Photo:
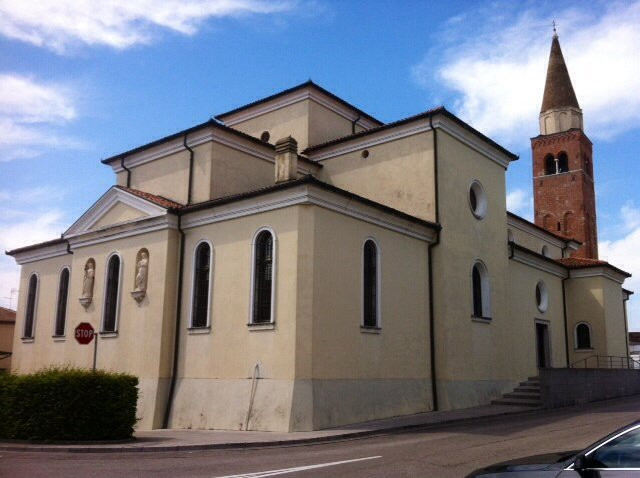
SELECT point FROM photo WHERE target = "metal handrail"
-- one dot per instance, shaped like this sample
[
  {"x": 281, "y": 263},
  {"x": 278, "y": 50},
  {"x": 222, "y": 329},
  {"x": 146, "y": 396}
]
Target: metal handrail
[{"x": 606, "y": 361}]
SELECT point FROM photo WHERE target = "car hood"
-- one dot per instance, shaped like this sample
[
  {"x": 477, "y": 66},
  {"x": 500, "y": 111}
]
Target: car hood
[{"x": 548, "y": 461}]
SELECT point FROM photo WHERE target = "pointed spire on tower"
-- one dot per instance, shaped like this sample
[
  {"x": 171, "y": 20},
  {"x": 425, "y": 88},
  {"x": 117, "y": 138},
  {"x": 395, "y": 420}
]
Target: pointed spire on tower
[{"x": 558, "y": 90}]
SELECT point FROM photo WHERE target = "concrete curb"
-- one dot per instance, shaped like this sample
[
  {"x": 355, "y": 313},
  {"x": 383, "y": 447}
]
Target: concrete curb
[{"x": 256, "y": 444}]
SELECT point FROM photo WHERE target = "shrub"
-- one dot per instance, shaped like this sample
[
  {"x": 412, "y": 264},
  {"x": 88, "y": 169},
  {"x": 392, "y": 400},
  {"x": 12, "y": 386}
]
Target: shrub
[{"x": 68, "y": 404}]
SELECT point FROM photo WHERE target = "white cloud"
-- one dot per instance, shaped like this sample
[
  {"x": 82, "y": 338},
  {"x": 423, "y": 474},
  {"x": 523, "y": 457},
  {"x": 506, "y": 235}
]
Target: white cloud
[
  {"x": 30, "y": 114},
  {"x": 495, "y": 63},
  {"x": 28, "y": 224},
  {"x": 520, "y": 201},
  {"x": 57, "y": 25},
  {"x": 625, "y": 254}
]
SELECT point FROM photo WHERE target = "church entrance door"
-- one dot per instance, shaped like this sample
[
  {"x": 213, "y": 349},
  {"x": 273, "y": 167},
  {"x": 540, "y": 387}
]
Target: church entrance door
[{"x": 542, "y": 345}]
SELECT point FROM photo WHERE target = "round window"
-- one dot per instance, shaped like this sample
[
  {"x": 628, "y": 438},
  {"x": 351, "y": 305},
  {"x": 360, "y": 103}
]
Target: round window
[
  {"x": 542, "y": 297},
  {"x": 545, "y": 251},
  {"x": 265, "y": 136},
  {"x": 477, "y": 200}
]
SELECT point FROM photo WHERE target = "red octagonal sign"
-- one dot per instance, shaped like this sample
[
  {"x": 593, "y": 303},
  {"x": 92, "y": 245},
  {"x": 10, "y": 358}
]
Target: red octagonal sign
[{"x": 84, "y": 333}]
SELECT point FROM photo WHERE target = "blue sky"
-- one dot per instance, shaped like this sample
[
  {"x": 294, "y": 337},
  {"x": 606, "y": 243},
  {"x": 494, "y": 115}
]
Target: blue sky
[{"x": 83, "y": 80}]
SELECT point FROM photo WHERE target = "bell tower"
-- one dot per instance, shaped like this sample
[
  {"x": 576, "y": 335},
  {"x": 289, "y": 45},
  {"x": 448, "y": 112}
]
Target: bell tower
[{"x": 564, "y": 195}]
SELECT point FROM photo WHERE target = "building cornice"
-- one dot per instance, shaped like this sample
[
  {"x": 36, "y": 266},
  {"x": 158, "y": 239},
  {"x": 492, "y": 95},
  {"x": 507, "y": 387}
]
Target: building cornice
[
  {"x": 537, "y": 261},
  {"x": 603, "y": 271},
  {"x": 529, "y": 228},
  {"x": 47, "y": 251},
  {"x": 313, "y": 194}
]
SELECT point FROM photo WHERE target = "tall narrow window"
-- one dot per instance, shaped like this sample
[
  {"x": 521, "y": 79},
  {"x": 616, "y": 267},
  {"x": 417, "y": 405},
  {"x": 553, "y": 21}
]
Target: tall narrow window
[
  {"x": 201, "y": 280},
  {"x": 549, "y": 164},
  {"x": 370, "y": 283},
  {"x": 30, "y": 316},
  {"x": 583, "y": 336},
  {"x": 263, "y": 278},
  {"x": 480, "y": 293},
  {"x": 563, "y": 163},
  {"x": 61, "y": 309},
  {"x": 112, "y": 291}
]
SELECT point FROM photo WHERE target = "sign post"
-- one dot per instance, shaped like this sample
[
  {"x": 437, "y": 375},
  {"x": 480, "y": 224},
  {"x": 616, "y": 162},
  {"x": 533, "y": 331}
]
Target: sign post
[{"x": 84, "y": 334}]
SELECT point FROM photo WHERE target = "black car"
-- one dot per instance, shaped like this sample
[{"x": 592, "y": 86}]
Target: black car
[{"x": 616, "y": 455}]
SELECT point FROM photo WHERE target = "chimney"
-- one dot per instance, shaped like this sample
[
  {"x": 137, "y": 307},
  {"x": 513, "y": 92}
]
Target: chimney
[{"x": 286, "y": 159}]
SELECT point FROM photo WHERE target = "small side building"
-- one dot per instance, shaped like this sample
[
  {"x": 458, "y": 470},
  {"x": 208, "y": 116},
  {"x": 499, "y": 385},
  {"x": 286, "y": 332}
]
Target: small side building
[{"x": 7, "y": 326}]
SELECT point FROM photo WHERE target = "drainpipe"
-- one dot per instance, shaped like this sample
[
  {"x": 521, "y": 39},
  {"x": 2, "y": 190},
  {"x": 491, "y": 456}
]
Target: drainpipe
[
  {"x": 189, "y": 186},
  {"x": 127, "y": 170},
  {"x": 432, "y": 347},
  {"x": 353, "y": 124},
  {"x": 564, "y": 311},
  {"x": 176, "y": 336}
]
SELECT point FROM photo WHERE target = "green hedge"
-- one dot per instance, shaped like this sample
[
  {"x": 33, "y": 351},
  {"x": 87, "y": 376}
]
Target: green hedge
[{"x": 68, "y": 404}]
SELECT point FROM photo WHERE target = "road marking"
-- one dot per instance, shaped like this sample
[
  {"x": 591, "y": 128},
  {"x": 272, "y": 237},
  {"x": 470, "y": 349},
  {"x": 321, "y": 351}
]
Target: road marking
[{"x": 283, "y": 471}]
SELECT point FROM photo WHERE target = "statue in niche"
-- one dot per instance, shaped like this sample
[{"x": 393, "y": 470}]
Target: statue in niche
[
  {"x": 87, "y": 283},
  {"x": 142, "y": 272}
]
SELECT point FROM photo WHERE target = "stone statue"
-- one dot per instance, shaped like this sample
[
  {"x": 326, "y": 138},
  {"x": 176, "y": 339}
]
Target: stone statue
[
  {"x": 140, "y": 281},
  {"x": 142, "y": 266},
  {"x": 87, "y": 283}
]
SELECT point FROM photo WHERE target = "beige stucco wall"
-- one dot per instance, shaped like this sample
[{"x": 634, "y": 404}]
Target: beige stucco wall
[
  {"x": 6, "y": 343},
  {"x": 524, "y": 313},
  {"x": 236, "y": 172},
  {"x": 359, "y": 376},
  {"x": 397, "y": 173},
  {"x": 325, "y": 125},
  {"x": 117, "y": 214},
  {"x": 137, "y": 347},
  {"x": 597, "y": 301},
  {"x": 167, "y": 176},
  {"x": 291, "y": 120},
  {"x": 472, "y": 358}
]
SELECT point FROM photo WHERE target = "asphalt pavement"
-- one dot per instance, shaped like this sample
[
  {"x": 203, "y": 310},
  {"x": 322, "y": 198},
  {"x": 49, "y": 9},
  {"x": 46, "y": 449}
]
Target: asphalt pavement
[{"x": 440, "y": 451}]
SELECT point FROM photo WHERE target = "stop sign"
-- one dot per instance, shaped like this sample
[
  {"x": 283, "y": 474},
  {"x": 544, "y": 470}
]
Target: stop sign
[{"x": 84, "y": 333}]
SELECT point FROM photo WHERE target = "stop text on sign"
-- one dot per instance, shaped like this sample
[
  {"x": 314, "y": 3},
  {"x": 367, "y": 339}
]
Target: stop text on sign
[{"x": 84, "y": 333}]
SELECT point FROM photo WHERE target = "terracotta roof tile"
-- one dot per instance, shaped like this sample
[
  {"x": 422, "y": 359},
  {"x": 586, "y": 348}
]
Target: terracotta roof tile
[
  {"x": 582, "y": 262},
  {"x": 7, "y": 315},
  {"x": 159, "y": 200}
]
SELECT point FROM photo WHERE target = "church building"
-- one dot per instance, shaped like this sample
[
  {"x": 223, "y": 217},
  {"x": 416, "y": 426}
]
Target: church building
[{"x": 296, "y": 264}]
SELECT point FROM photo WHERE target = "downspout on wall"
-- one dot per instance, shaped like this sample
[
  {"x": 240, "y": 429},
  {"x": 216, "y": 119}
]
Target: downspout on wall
[
  {"x": 127, "y": 170},
  {"x": 176, "y": 336},
  {"x": 190, "y": 185},
  {"x": 564, "y": 311},
  {"x": 432, "y": 349}
]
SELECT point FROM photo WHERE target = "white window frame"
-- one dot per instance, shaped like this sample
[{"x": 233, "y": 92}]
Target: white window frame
[
  {"x": 35, "y": 309},
  {"x": 274, "y": 270},
  {"x": 482, "y": 201},
  {"x": 66, "y": 313},
  {"x": 575, "y": 336},
  {"x": 485, "y": 289},
  {"x": 118, "y": 296},
  {"x": 193, "y": 283},
  {"x": 378, "y": 284}
]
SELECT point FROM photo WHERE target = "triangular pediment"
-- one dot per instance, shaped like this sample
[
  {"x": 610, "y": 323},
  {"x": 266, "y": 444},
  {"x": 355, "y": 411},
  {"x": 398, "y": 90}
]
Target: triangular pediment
[{"x": 115, "y": 207}]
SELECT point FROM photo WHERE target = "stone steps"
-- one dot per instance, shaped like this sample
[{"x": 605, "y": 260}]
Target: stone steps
[{"x": 527, "y": 394}]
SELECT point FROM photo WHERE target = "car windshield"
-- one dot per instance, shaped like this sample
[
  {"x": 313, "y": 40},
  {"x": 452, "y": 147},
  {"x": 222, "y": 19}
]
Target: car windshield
[{"x": 621, "y": 452}]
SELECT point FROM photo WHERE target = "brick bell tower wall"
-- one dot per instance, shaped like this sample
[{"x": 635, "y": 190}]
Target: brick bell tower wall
[{"x": 564, "y": 194}]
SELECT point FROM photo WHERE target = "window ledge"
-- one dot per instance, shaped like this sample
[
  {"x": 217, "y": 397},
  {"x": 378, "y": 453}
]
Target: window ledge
[
  {"x": 27, "y": 340},
  {"x": 265, "y": 326},
  {"x": 583, "y": 350},
  {"x": 482, "y": 320},
  {"x": 108, "y": 335},
  {"x": 59, "y": 338},
  {"x": 365, "y": 329},
  {"x": 199, "y": 330}
]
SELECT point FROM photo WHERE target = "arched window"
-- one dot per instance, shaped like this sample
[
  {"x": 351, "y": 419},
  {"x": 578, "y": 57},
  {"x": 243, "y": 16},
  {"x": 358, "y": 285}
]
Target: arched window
[
  {"x": 61, "y": 309},
  {"x": 201, "y": 285},
  {"x": 542, "y": 297},
  {"x": 371, "y": 285},
  {"x": 549, "y": 164},
  {"x": 263, "y": 266},
  {"x": 30, "y": 315},
  {"x": 563, "y": 163},
  {"x": 111, "y": 294},
  {"x": 480, "y": 291},
  {"x": 583, "y": 336}
]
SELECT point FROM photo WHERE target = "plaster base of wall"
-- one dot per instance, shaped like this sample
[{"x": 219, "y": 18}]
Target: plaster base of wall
[{"x": 457, "y": 394}]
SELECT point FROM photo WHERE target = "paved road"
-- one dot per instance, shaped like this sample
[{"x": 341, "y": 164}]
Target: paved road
[{"x": 446, "y": 451}]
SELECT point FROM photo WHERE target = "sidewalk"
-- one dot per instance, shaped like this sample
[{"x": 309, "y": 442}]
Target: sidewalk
[{"x": 191, "y": 440}]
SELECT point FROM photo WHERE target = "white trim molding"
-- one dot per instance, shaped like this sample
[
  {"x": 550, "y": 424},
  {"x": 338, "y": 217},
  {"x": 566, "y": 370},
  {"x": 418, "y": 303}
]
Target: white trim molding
[
  {"x": 530, "y": 229},
  {"x": 603, "y": 271},
  {"x": 274, "y": 269},
  {"x": 207, "y": 325},
  {"x": 532, "y": 259},
  {"x": 41, "y": 253}
]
